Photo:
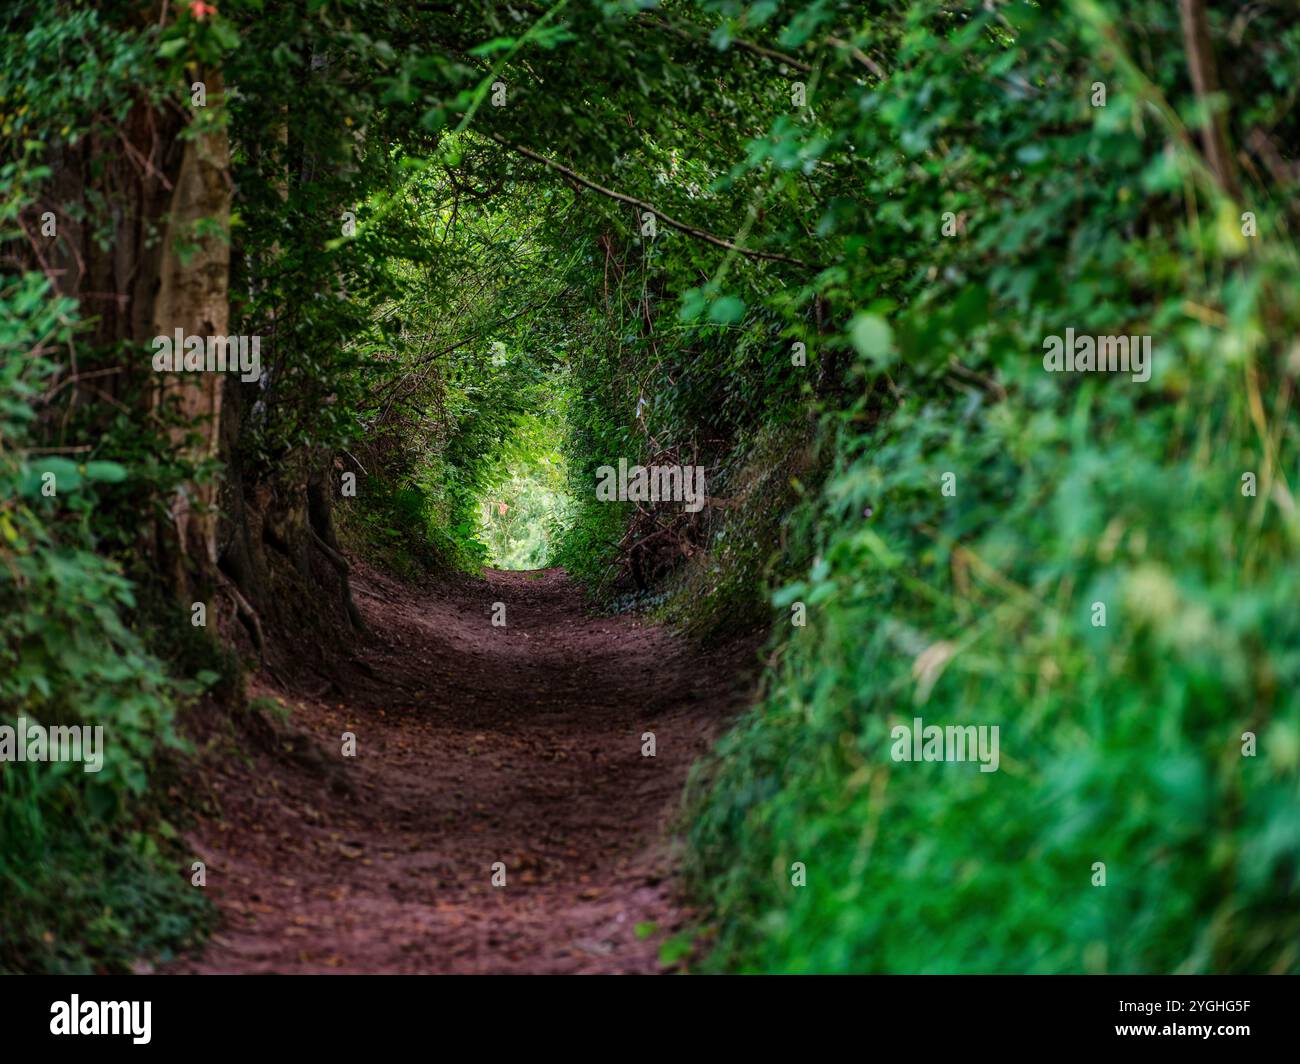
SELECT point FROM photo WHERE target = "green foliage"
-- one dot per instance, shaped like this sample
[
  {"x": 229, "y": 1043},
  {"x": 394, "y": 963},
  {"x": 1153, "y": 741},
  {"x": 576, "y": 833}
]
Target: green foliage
[
  {"x": 1119, "y": 744},
  {"x": 472, "y": 392},
  {"x": 462, "y": 325},
  {"x": 81, "y": 883},
  {"x": 760, "y": 536},
  {"x": 528, "y": 502}
]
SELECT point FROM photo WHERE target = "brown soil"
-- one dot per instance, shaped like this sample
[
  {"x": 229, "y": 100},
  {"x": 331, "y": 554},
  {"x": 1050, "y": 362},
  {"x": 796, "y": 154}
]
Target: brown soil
[{"x": 474, "y": 745}]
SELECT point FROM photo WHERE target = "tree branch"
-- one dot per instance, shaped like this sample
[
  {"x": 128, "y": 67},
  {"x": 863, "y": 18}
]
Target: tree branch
[
  {"x": 858, "y": 54},
  {"x": 689, "y": 230},
  {"x": 735, "y": 42},
  {"x": 1205, "y": 83}
]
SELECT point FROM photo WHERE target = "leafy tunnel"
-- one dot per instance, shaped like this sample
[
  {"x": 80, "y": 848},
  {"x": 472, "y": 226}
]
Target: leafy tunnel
[{"x": 499, "y": 384}]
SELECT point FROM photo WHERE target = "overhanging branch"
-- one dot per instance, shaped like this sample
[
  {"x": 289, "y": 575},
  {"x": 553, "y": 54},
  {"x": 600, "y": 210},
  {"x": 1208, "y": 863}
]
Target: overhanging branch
[{"x": 683, "y": 227}]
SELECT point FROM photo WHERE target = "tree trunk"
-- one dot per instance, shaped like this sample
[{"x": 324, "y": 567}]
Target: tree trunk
[{"x": 193, "y": 295}]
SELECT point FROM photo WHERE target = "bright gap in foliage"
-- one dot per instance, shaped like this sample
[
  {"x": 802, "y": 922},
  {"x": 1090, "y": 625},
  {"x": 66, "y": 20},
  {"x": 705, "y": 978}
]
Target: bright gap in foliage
[{"x": 522, "y": 510}]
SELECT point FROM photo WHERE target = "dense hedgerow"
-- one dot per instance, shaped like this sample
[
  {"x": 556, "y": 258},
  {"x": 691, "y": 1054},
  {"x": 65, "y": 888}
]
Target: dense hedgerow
[
  {"x": 92, "y": 877},
  {"x": 1120, "y": 745},
  {"x": 89, "y": 879},
  {"x": 904, "y": 199}
]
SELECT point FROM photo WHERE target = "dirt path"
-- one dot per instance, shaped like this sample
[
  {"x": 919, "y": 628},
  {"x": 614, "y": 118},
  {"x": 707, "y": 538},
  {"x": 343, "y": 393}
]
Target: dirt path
[{"x": 475, "y": 744}]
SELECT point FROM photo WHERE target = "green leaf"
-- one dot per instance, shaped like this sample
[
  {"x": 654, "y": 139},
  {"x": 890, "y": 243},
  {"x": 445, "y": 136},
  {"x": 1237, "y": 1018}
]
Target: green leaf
[
  {"x": 727, "y": 311},
  {"x": 497, "y": 44},
  {"x": 109, "y": 472},
  {"x": 225, "y": 35},
  {"x": 675, "y": 948},
  {"x": 873, "y": 338}
]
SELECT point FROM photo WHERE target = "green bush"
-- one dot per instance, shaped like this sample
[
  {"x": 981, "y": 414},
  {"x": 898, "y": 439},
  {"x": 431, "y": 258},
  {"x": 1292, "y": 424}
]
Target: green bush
[
  {"x": 1120, "y": 744},
  {"x": 83, "y": 884}
]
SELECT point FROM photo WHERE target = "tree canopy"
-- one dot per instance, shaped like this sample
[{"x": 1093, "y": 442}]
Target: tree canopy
[{"x": 814, "y": 247}]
